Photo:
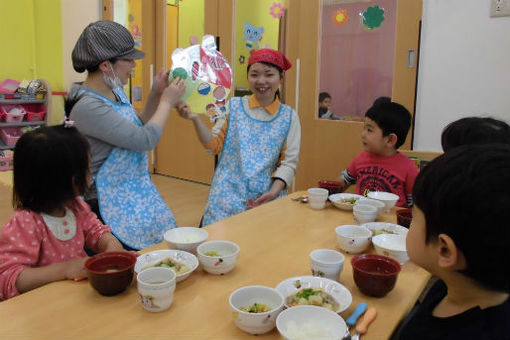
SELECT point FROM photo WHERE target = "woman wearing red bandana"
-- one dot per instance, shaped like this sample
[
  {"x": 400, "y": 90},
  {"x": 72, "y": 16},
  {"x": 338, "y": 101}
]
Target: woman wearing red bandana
[{"x": 258, "y": 141}]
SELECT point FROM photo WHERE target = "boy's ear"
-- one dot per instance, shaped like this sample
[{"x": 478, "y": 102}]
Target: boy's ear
[
  {"x": 449, "y": 256},
  {"x": 391, "y": 140}
]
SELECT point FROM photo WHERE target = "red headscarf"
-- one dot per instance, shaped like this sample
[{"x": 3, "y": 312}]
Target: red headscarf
[{"x": 269, "y": 56}]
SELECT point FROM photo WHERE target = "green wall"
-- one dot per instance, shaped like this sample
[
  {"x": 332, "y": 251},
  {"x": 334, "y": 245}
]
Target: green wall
[
  {"x": 255, "y": 12},
  {"x": 191, "y": 21},
  {"x": 32, "y": 41}
]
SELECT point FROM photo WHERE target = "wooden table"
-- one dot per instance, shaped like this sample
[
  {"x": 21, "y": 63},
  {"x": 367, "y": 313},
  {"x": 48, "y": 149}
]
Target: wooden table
[{"x": 275, "y": 241}]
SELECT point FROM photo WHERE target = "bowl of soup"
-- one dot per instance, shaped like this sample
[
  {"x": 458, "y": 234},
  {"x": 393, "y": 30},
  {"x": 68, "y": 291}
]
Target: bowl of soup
[
  {"x": 110, "y": 273},
  {"x": 375, "y": 275},
  {"x": 255, "y": 308}
]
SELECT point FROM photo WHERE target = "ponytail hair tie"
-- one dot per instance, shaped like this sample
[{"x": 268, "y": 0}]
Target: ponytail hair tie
[{"x": 68, "y": 123}]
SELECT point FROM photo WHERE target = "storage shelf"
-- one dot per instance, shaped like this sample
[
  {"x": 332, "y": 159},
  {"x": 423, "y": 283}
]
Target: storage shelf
[
  {"x": 22, "y": 101},
  {"x": 4, "y": 124}
]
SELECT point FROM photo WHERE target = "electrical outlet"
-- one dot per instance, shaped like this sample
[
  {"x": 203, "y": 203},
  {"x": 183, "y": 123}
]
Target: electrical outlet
[{"x": 500, "y": 8}]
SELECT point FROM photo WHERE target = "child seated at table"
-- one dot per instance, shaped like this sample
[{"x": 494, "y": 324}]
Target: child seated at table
[
  {"x": 324, "y": 107},
  {"x": 380, "y": 167},
  {"x": 474, "y": 130},
  {"x": 460, "y": 233},
  {"x": 43, "y": 240}
]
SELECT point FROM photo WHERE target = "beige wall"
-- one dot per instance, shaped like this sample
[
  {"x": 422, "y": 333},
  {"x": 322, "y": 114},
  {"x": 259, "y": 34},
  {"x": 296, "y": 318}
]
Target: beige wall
[{"x": 76, "y": 15}]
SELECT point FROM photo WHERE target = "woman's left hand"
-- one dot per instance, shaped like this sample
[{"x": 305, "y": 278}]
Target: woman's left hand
[
  {"x": 160, "y": 81},
  {"x": 264, "y": 198}
]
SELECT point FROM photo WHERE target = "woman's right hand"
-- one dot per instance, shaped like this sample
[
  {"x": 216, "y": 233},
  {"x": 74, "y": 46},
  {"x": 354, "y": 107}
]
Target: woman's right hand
[{"x": 173, "y": 92}]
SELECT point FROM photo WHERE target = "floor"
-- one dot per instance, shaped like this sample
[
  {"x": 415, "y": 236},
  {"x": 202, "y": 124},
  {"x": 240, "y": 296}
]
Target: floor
[{"x": 186, "y": 199}]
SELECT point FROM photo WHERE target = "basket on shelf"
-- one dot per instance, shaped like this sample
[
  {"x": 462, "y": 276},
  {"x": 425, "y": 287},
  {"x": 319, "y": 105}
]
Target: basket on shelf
[
  {"x": 34, "y": 112},
  {"x": 12, "y": 113},
  {"x": 10, "y": 135},
  {"x": 6, "y": 160}
]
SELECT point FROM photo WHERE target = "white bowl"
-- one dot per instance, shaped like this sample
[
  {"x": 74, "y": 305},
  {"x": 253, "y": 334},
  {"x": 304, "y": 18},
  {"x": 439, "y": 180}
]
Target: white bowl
[
  {"x": 388, "y": 198},
  {"x": 149, "y": 259},
  {"x": 338, "y": 200},
  {"x": 338, "y": 291},
  {"x": 255, "y": 323},
  {"x": 186, "y": 238},
  {"x": 317, "y": 198},
  {"x": 369, "y": 201},
  {"x": 221, "y": 264},
  {"x": 391, "y": 245},
  {"x": 353, "y": 239},
  {"x": 310, "y": 322},
  {"x": 385, "y": 228},
  {"x": 364, "y": 213}
]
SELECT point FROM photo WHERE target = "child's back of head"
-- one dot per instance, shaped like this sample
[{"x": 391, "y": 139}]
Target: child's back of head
[
  {"x": 474, "y": 130},
  {"x": 50, "y": 168},
  {"x": 391, "y": 117},
  {"x": 465, "y": 194}
]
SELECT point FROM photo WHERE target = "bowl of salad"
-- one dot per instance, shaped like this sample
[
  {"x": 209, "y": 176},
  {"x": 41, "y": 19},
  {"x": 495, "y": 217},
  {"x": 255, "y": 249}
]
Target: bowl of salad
[
  {"x": 255, "y": 308},
  {"x": 181, "y": 262},
  {"x": 344, "y": 201}
]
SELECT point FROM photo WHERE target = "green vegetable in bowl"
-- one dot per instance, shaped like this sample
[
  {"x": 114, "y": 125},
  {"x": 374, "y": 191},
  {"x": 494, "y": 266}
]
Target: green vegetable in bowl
[
  {"x": 212, "y": 253},
  {"x": 351, "y": 200},
  {"x": 256, "y": 308}
]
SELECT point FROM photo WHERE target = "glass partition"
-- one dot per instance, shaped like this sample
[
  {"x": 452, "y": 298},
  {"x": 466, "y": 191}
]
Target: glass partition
[{"x": 357, "y": 56}]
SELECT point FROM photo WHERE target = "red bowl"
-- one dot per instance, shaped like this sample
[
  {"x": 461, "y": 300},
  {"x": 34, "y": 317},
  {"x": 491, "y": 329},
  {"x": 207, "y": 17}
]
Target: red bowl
[
  {"x": 333, "y": 187},
  {"x": 375, "y": 275},
  {"x": 404, "y": 217},
  {"x": 111, "y": 273}
]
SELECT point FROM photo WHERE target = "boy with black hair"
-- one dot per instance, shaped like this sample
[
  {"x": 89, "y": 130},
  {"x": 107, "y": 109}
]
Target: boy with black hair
[
  {"x": 474, "y": 130},
  {"x": 460, "y": 233},
  {"x": 380, "y": 167},
  {"x": 324, "y": 106}
]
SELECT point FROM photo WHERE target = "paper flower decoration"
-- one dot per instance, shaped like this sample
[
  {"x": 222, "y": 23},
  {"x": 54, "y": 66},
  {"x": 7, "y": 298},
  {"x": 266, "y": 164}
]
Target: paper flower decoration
[
  {"x": 277, "y": 10},
  {"x": 372, "y": 17},
  {"x": 340, "y": 17}
]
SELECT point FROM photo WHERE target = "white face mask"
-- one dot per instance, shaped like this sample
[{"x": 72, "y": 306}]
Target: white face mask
[{"x": 114, "y": 82}]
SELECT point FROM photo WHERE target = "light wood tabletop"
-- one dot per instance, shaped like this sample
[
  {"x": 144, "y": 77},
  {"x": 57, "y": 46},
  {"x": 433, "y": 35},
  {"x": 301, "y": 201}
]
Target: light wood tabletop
[{"x": 275, "y": 241}]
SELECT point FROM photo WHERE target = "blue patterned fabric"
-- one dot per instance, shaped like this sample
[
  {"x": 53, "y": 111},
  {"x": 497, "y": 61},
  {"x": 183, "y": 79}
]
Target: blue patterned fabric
[
  {"x": 249, "y": 157},
  {"x": 128, "y": 200}
]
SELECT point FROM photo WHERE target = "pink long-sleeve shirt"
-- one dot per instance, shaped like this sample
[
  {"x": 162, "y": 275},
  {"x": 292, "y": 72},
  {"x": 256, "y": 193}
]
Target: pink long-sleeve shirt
[{"x": 26, "y": 241}]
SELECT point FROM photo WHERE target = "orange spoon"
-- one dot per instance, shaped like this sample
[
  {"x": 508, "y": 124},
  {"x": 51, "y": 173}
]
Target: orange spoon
[{"x": 367, "y": 319}]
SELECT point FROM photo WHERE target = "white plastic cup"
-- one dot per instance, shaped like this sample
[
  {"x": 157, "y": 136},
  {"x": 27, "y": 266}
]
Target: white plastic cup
[
  {"x": 327, "y": 263},
  {"x": 156, "y": 287},
  {"x": 317, "y": 198}
]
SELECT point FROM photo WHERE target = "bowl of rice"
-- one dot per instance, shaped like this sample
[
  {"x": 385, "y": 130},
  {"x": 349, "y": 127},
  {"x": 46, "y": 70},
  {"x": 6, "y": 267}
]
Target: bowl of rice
[
  {"x": 310, "y": 322},
  {"x": 186, "y": 238}
]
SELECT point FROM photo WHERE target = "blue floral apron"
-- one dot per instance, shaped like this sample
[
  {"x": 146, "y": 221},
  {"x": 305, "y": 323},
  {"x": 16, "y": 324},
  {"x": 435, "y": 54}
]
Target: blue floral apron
[
  {"x": 128, "y": 200},
  {"x": 250, "y": 153}
]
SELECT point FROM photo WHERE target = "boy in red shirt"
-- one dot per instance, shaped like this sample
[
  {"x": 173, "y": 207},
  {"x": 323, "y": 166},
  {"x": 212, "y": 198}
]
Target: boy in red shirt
[{"x": 380, "y": 167}]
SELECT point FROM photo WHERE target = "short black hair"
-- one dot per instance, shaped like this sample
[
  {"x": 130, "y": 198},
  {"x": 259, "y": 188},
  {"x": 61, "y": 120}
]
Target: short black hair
[
  {"x": 465, "y": 193},
  {"x": 391, "y": 117},
  {"x": 323, "y": 95},
  {"x": 51, "y": 166},
  {"x": 381, "y": 100},
  {"x": 474, "y": 130}
]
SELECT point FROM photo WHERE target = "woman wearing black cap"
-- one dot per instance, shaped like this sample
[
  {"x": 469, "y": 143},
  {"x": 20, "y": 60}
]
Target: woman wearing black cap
[{"x": 122, "y": 192}]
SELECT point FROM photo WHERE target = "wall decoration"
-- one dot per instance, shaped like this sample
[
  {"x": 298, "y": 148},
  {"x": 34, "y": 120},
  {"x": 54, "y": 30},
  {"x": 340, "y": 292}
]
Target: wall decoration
[
  {"x": 277, "y": 10},
  {"x": 252, "y": 36},
  {"x": 340, "y": 17},
  {"x": 193, "y": 40},
  {"x": 242, "y": 59},
  {"x": 372, "y": 17}
]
